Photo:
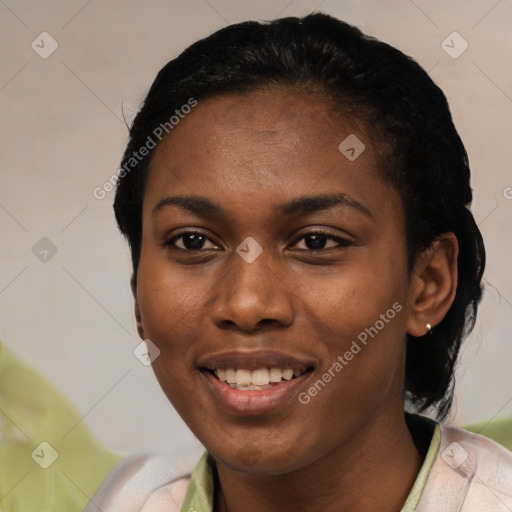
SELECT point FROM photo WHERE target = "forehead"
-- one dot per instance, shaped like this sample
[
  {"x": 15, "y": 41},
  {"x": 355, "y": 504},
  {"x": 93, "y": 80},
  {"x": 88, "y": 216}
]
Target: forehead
[
  {"x": 264, "y": 145},
  {"x": 277, "y": 115}
]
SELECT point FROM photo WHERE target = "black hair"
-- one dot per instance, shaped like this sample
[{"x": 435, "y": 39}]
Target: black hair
[{"x": 404, "y": 111}]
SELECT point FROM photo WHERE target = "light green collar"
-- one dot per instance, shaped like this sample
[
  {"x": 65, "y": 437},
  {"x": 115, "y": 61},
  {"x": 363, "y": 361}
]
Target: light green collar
[
  {"x": 200, "y": 491},
  {"x": 199, "y": 496},
  {"x": 421, "y": 480}
]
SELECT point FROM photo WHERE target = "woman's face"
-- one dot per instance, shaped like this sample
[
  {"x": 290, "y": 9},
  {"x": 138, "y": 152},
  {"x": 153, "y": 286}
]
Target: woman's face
[{"x": 288, "y": 256}]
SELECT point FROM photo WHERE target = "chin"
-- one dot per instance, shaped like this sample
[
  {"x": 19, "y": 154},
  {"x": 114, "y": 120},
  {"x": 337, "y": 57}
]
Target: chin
[{"x": 261, "y": 458}]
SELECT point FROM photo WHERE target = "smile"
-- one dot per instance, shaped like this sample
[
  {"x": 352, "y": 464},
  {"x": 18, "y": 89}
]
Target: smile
[
  {"x": 256, "y": 380},
  {"x": 252, "y": 383}
]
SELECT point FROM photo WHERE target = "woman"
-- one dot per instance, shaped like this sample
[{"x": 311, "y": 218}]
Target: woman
[{"x": 305, "y": 266}]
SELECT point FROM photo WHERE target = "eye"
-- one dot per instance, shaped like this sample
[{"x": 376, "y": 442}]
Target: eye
[
  {"x": 191, "y": 241},
  {"x": 317, "y": 240},
  {"x": 314, "y": 240}
]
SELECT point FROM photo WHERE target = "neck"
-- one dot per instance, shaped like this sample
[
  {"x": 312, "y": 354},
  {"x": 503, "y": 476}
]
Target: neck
[{"x": 382, "y": 455}]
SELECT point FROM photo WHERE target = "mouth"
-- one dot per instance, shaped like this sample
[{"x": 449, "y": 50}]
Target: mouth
[
  {"x": 256, "y": 380},
  {"x": 254, "y": 383}
]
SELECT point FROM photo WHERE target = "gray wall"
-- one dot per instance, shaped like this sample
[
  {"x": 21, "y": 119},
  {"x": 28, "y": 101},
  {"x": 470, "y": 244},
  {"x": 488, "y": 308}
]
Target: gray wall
[{"x": 62, "y": 134}]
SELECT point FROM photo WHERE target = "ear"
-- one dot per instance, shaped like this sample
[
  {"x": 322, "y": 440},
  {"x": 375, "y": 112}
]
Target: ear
[
  {"x": 433, "y": 284},
  {"x": 138, "y": 316}
]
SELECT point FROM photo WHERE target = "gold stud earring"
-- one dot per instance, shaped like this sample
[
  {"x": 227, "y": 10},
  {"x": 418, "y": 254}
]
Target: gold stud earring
[{"x": 429, "y": 329}]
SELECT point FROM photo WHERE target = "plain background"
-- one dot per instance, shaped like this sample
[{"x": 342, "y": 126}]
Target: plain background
[{"x": 62, "y": 134}]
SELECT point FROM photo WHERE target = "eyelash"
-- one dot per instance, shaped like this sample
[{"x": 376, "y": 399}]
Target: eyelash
[{"x": 343, "y": 242}]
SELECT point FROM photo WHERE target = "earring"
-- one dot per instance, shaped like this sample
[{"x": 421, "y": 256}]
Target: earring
[{"x": 429, "y": 328}]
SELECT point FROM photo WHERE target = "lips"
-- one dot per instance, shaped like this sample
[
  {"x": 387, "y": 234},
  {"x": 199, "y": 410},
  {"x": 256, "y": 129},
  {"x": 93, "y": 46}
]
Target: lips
[
  {"x": 254, "y": 383},
  {"x": 254, "y": 361}
]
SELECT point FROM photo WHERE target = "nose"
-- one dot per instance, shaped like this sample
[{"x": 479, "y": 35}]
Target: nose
[{"x": 252, "y": 295}]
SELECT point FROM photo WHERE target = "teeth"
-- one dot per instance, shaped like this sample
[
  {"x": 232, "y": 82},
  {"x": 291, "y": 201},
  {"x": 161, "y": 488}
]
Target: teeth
[
  {"x": 275, "y": 375},
  {"x": 259, "y": 379},
  {"x": 287, "y": 374},
  {"x": 251, "y": 387},
  {"x": 243, "y": 377},
  {"x": 230, "y": 376}
]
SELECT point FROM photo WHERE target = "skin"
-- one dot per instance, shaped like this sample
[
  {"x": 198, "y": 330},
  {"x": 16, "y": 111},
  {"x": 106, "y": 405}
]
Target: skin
[{"x": 249, "y": 153}]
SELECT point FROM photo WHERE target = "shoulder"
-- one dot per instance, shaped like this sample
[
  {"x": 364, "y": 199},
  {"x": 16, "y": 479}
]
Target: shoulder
[
  {"x": 488, "y": 458},
  {"x": 146, "y": 482},
  {"x": 470, "y": 473}
]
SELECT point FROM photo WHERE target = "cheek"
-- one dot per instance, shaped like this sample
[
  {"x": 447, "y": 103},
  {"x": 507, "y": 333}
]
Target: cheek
[
  {"x": 349, "y": 300},
  {"x": 171, "y": 313},
  {"x": 169, "y": 300},
  {"x": 360, "y": 321}
]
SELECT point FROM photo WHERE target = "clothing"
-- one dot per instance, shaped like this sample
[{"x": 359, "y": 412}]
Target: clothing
[
  {"x": 37, "y": 477},
  {"x": 461, "y": 472},
  {"x": 499, "y": 430}
]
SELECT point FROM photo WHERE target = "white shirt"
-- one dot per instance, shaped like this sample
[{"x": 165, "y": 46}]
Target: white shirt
[{"x": 470, "y": 473}]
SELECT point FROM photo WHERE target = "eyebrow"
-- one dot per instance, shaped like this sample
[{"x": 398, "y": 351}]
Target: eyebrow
[{"x": 306, "y": 204}]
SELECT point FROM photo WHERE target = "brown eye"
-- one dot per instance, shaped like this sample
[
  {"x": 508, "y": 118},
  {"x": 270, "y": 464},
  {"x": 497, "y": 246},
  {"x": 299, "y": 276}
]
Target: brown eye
[
  {"x": 191, "y": 241},
  {"x": 317, "y": 240}
]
